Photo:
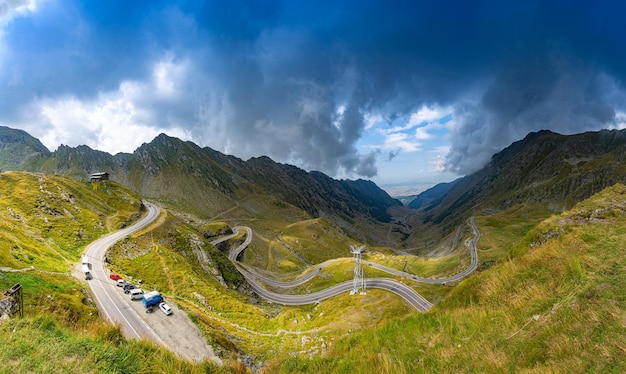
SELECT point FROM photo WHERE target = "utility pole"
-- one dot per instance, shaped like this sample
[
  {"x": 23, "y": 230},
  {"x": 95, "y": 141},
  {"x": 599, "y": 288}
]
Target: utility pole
[{"x": 359, "y": 281}]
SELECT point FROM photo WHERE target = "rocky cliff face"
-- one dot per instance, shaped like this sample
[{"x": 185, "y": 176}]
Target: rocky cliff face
[
  {"x": 7, "y": 307},
  {"x": 19, "y": 150}
]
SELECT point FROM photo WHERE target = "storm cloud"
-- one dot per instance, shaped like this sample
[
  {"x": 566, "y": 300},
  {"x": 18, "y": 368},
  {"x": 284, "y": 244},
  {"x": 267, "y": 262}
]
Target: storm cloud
[{"x": 297, "y": 80}]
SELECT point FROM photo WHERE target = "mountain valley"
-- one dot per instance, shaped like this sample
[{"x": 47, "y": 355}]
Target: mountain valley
[{"x": 550, "y": 210}]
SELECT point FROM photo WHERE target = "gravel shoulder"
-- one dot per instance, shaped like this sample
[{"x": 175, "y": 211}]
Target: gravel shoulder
[{"x": 176, "y": 331}]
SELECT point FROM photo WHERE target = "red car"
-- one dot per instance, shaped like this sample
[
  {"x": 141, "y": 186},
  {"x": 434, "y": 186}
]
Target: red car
[{"x": 115, "y": 276}]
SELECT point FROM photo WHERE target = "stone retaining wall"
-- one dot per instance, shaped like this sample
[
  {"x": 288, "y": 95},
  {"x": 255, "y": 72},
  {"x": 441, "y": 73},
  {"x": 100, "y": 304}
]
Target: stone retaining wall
[{"x": 7, "y": 306}]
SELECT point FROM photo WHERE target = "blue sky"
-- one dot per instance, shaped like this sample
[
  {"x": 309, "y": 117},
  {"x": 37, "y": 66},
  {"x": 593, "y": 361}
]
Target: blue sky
[{"x": 406, "y": 93}]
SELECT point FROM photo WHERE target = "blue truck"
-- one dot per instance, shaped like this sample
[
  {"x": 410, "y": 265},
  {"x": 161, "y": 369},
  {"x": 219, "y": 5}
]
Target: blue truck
[{"x": 150, "y": 299}]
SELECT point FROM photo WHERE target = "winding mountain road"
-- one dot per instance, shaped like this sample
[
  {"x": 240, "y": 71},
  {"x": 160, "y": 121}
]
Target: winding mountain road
[
  {"x": 118, "y": 310},
  {"x": 473, "y": 263},
  {"x": 176, "y": 332},
  {"x": 114, "y": 307},
  {"x": 409, "y": 294}
]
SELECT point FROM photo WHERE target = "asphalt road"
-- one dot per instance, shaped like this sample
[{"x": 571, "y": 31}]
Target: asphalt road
[
  {"x": 117, "y": 309},
  {"x": 404, "y": 291},
  {"x": 176, "y": 332},
  {"x": 111, "y": 304},
  {"x": 409, "y": 294},
  {"x": 234, "y": 254},
  {"x": 470, "y": 269}
]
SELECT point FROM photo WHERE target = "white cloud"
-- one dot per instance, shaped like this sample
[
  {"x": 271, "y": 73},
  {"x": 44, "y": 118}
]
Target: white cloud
[
  {"x": 427, "y": 114},
  {"x": 620, "y": 121},
  {"x": 116, "y": 121},
  {"x": 168, "y": 75},
  {"x": 400, "y": 141},
  {"x": 10, "y": 9},
  {"x": 424, "y": 122},
  {"x": 438, "y": 162},
  {"x": 424, "y": 116},
  {"x": 424, "y": 132},
  {"x": 112, "y": 124},
  {"x": 421, "y": 133},
  {"x": 372, "y": 120},
  {"x": 341, "y": 109}
]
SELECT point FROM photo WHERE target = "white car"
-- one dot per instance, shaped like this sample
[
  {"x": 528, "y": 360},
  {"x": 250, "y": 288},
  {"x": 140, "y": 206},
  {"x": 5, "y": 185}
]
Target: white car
[{"x": 165, "y": 309}]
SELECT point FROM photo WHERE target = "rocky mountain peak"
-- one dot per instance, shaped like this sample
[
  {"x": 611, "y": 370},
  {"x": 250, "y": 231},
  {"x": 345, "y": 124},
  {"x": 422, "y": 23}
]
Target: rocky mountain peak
[{"x": 543, "y": 168}]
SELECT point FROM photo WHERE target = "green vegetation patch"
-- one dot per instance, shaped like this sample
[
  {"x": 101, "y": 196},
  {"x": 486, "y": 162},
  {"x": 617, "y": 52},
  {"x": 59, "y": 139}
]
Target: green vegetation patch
[
  {"x": 57, "y": 295},
  {"x": 45, "y": 221},
  {"x": 556, "y": 306},
  {"x": 41, "y": 345},
  {"x": 502, "y": 231}
]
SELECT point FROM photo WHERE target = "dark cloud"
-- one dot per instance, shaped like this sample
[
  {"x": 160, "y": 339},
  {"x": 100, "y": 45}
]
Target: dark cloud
[
  {"x": 293, "y": 80},
  {"x": 392, "y": 154},
  {"x": 555, "y": 92},
  {"x": 367, "y": 165}
]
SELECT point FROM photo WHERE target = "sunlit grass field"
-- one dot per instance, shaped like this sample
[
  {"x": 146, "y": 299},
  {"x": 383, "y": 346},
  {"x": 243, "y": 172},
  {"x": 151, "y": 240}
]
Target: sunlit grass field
[
  {"x": 557, "y": 305},
  {"x": 548, "y": 295},
  {"x": 46, "y": 221}
]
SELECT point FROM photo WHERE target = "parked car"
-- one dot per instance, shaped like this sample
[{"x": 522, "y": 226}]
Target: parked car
[
  {"x": 115, "y": 276},
  {"x": 128, "y": 286},
  {"x": 136, "y": 294},
  {"x": 120, "y": 283},
  {"x": 165, "y": 309}
]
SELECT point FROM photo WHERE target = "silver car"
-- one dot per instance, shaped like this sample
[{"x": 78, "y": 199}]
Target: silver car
[{"x": 165, "y": 309}]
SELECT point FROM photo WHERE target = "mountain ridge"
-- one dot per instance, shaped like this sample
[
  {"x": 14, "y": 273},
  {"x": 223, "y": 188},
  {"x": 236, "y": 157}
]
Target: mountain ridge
[
  {"x": 18, "y": 149},
  {"x": 206, "y": 182},
  {"x": 544, "y": 167}
]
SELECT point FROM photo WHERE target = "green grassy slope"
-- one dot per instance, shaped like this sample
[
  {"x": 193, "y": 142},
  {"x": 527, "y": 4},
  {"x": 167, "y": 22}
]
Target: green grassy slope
[
  {"x": 45, "y": 222},
  {"x": 39, "y": 345},
  {"x": 556, "y": 306},
  {"x": 176, "y": 258},
  {"x": 48, "y": 220},
  {"x": 551, "y": 298}
]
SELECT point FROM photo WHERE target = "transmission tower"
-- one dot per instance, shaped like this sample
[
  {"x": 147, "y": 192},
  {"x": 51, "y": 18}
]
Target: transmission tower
[{"x": 359, "y": 281}]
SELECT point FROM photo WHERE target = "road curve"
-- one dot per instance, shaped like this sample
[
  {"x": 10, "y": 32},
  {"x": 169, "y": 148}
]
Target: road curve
[
  {"x": 470, "y": 269},
  {"x": 409, "y": 294},
  {"x": 232, "y": 256},
  {"x": 115, "y": 308}
]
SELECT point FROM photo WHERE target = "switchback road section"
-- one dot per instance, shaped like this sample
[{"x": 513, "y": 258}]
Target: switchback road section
[{"x": 409, "y": 294}]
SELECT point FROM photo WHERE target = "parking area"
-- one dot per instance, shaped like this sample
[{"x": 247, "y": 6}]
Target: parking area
[{"x": 176, "y": 330}]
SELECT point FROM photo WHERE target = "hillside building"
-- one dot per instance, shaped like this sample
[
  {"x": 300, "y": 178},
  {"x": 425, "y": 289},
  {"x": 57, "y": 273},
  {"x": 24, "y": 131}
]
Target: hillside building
[{"x": 97, "y": 177}]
